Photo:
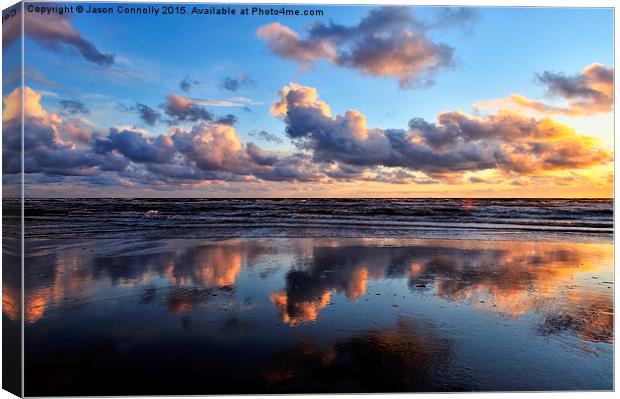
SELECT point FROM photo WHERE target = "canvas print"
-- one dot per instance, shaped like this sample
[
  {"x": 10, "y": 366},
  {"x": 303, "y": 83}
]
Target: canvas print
[{"x": 204, "y": 198}]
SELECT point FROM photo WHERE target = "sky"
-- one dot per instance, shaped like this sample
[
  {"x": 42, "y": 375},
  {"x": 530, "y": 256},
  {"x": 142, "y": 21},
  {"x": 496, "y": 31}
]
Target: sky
[{"x": 359, "y": 102}]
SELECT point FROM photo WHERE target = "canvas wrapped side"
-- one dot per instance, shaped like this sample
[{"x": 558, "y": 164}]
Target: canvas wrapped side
[{"x": 12, "y": 200}]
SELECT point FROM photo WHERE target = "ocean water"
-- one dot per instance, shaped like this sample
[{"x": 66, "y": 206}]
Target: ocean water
[
  {"x": 218, "y": 218},
  {"x": 296, "y": 296}
]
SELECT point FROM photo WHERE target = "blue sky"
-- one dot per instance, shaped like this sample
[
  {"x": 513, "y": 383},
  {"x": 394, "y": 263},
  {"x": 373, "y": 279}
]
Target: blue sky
[
  {"x": 495, "y": 54},
  {"x": 499, "y": 55}
]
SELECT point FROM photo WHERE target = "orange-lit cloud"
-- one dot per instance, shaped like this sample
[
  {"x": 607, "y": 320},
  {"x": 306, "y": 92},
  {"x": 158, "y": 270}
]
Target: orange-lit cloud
[
  {"x": 458, "y": 142},
  {"x": 389, "y": 42},
  {"x": 11, "y": 110},
  {"x": 587, "y": 93},
  {"x": 457, "y": 147},
  {"x": 286, "y": 42}
]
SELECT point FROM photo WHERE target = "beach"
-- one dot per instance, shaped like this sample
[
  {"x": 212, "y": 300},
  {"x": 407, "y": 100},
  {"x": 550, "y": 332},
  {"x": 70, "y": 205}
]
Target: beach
[{"x": 245, "y": 314}]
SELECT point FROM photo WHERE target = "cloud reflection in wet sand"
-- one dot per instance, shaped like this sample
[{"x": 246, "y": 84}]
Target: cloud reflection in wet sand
[
  {"x": 508, "y": 278},
  {"x": 241, "y": 291},
  {"x": 410, "y": 356},
  {"x": 79, "y": 276}
]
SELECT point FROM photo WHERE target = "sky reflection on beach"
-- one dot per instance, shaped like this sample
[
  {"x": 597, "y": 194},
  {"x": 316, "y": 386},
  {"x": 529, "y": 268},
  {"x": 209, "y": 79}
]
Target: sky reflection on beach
[{"x": 313, "y": 315}]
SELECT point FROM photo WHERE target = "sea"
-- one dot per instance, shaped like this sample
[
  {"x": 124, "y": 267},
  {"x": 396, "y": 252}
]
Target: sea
[{"x": 222, "y": 218}]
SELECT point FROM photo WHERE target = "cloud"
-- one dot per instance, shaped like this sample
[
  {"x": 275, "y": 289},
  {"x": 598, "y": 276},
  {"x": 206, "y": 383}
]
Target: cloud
[
  {"x": 76, "y": 130},
  {"x": 211, "y": 147},
  {"x": 13, "y": 77},
  {"x": 388, "y": 42},
  {"x": 476, "y": 180},
  {"x": 11, "y": 28},
  {"x": 227, "y": 119},
  {"x": 187, "y": 83},
  {"x": 507, "y": 142},
  {"x": 179, "y": 109},
  {"x": 209, "y": 151},
  {"x": 266, "y": 136},
  {"x": 72, "y": 107},
  {"x": 234, "y": 84},
  {"x": 448, "y": 17},
  {"x": 44, "y": 148},
  {"x": 147, "y": 114},
  {"x": 218, "y": 148},
  {"x": 135, "y": 146},
  {"x": 54, "y": 32},
  {"x": 229, "y": 102},
  {"x": 183, "y": 109},
  {"x": 590, "y": 92},
  {"x": 330, "y": 148},
  {"x": 287, "y": 43}
]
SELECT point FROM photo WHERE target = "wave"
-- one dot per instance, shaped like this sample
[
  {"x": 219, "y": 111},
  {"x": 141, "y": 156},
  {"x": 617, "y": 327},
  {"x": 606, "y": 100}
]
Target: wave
[{"x": 337, "y": 217}]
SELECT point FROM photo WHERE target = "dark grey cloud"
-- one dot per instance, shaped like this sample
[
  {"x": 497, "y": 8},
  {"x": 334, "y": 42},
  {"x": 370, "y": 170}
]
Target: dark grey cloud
[
  {"x": 55, "y": 32},
  {"x": 234, "y": 84},
  {"x": 295, "y": 167},
  {"x": 72, "y": 107},
  {"x": 392, "y": 18},
  {"x": 230, "y": 84},
  {"x": 187, "y": 84},
  {"x": 135, "y": 146},
  {"x": 228, "y": 119},
  {"x": 147, "y": 114},
  {"x": 46, "y": 152},
  {"x": 260, "y": 156},
  {"x": 459, "y": 17},
  {"x": 378, "y": 20},
  {"x": 266, "y": 136}
]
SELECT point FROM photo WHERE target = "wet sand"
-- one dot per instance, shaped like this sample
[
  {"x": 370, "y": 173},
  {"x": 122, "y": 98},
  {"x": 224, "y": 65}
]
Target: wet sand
[{"x": 111, "y": 317}]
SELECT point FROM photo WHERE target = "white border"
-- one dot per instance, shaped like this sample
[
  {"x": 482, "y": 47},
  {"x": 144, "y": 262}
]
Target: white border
[{"x": 482, "y": 3}]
